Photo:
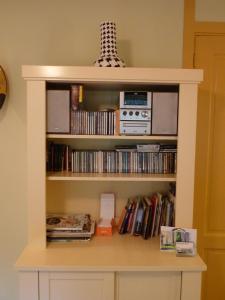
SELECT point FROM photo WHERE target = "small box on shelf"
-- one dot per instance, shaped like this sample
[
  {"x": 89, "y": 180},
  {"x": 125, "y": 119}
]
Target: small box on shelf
[{"x": 107, "y": 214}]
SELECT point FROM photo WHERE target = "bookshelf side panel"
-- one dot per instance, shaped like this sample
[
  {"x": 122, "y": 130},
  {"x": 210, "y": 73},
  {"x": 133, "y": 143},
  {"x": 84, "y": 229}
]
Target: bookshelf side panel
[
  {"x": 186, "y": 154},
  {"x": 36, "y": 152}
]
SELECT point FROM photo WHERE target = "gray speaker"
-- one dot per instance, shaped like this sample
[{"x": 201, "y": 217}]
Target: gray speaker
[
  {"x": 164, "y": 113},
  {"x": 58, "y": 111}
]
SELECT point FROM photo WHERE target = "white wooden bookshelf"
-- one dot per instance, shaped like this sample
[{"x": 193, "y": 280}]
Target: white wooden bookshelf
[{"x": 106, "y": 267}]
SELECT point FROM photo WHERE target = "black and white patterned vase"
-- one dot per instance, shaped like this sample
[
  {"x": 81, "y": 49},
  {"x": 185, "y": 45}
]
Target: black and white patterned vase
[{"x": 109, "y": 56}]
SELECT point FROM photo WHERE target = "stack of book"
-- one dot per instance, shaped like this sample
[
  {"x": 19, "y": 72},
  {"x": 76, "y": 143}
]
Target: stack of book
[
  {"x": 69, "y": 227},
  {"x": 144, "y": 215}
]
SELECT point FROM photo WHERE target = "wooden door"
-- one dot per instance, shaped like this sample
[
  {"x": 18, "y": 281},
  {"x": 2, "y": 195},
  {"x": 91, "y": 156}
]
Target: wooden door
[
  {"x": 76, "y": 286},
  {"x": 209, "y": 213}
]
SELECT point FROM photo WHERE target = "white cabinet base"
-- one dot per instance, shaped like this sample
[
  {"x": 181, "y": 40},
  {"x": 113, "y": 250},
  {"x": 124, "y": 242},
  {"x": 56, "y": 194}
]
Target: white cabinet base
[
  {"x": 128, "y": 285},
  {"x": 148, "y": 285},
  {"x": 76, "y": 286}
]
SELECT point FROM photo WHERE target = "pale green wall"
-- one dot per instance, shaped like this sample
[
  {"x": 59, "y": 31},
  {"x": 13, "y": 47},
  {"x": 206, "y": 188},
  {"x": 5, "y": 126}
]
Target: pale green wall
[{"x": 65, "y": 33}]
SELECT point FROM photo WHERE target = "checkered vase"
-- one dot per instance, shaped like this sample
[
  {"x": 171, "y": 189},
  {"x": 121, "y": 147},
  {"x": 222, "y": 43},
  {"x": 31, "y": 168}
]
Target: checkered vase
[{"x": 109, "y": 56}]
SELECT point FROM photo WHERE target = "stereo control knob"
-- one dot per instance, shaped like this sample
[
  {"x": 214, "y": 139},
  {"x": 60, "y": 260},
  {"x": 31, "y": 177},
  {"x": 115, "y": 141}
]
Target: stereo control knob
[
  {"x": 144, "y": 113},
  {"x": 137, "y": 113},
  {"x": 124, "y": 112},
  {"x": 130, "y": 113}
]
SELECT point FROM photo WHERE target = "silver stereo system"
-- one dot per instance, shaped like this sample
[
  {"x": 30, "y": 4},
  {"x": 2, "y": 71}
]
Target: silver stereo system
[
  {"x": 148, "y": 113},
  {"x": 135, "y": 113}
]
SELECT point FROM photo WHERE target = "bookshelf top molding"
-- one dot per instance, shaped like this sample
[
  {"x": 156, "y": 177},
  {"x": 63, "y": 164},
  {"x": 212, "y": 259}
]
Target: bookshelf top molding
[{"x": 111, "y": 75}]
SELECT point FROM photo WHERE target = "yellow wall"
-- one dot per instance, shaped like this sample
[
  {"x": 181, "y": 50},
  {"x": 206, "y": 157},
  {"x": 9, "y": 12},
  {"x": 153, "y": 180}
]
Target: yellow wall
[{"x": 65, "y": 33}]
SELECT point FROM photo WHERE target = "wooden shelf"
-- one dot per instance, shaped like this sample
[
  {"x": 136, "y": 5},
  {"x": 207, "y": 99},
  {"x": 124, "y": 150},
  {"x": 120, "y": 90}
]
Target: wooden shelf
[
  {"x": 113, "y": 137},
  {"x": 115, "y": 253},
  {"x": 69, "y": 176}
]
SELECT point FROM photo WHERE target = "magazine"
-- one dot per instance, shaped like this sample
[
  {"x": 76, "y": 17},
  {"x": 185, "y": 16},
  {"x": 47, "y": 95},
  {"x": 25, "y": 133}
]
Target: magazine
[
  {"x": 73, "y": 222},
  {"x": 72, "y": 233}
]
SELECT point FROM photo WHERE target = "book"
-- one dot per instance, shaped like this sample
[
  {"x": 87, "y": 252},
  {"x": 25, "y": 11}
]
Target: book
[
  {"x": 147, "y": 219},
  {"x": 121, "y": 218},
  {"x": 69, "y": 227},
  {"x": 154, "y": 200},
  {"x": 67, "y": 239},
  {"x": 81, "y": 98},
  {"x": 73, "y": 222},
  {"x": 124, "y": 225},
  {"x": 131, "y": 218},
  {"x": 158, "y": 215},
  {"x": 74, "y": 97},
  {"x": 138, "y": 199},
  {"x": 143, "y": 215},
  {"x": 139, "y": 218},
  {"x": 72, "y": 233}
]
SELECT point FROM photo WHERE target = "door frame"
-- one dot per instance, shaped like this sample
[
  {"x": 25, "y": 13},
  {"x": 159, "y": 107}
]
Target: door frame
[{"x": 192, "y": 29}]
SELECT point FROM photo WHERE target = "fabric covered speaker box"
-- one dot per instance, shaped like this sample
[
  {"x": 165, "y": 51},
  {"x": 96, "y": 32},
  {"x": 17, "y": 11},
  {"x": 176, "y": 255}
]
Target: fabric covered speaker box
[
  {"x": 58, "y": 111},
  {"x": 164, "y": 113}
]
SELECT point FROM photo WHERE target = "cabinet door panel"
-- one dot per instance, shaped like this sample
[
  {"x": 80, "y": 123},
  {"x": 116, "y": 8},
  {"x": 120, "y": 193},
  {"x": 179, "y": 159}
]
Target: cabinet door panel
[
  {"x": 76, "y": 286},
  {"x": 148, "y": 285}
]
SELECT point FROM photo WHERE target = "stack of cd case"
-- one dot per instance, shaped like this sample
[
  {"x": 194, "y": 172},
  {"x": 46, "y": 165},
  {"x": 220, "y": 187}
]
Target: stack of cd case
[{"x": 69, "y": 227}]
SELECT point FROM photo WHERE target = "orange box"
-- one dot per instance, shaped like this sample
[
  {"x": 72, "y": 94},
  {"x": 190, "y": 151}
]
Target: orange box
[
  {"x": 105, "y": 231},
  {"x": 104, "y": 228}
]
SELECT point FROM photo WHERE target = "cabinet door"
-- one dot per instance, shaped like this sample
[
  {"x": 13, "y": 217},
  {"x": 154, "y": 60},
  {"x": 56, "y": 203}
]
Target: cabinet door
[
  {"x": 76, "y": 286},
  {"x": 148, "y": 285}
]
